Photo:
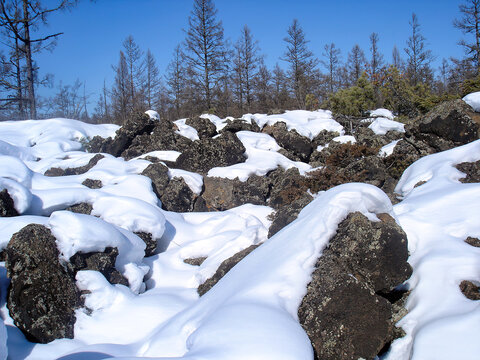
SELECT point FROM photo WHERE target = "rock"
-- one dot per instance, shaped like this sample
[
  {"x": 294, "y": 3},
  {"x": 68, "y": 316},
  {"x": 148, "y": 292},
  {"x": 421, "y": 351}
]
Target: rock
[
  {"x": 450, "y": 124},
  {"x": 288, "y": 213},
  {"x": 103, "y": 262},
  {"x": 287, "y": 186},
  {"x": 240, "y": 125},
  {"x": 473, "y": 241},
  {"x": 347, "y": 311},
  {"x": 149, "y": 241},
  {"x": 74, "y": 171},
  {"x": 161, "y": 137},
  {"x": 365, "y": 136},
  {"x": 224, "y": 268},
  {"x": 472, "y": 170},
  {"x": 342, "y": 155},
  {"x": 205, "y": 128},
  {"x": 178, "y": 196},
  {"x": 158, "y": 173},
  {"x": 470, "y": 290},
  {"x": 224, "y": 150},
  {"x": 291, "y": 140},
  {"x": 42, "y": 296},
  {"x": 92, "y": 184},
  {"x": 195, "y": 261},
  {"x": 404, "y": 154},
  {"x": 138, "y": 125},
  {"x": 7, "y": 205},
  {"x": 82, "y": 208},
  {"x": 323, "y": 138},
  {"x": 223, "y": 194}
]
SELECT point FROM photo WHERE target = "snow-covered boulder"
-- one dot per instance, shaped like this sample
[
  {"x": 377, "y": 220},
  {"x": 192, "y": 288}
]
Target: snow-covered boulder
[{"x": 473, "y": 100}]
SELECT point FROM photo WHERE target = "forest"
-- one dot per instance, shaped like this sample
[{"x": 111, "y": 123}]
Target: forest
[{"x": 209, "y": 73}]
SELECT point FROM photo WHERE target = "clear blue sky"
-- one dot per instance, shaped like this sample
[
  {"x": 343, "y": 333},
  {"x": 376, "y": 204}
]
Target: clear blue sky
[{"x": 94, "y": 32}]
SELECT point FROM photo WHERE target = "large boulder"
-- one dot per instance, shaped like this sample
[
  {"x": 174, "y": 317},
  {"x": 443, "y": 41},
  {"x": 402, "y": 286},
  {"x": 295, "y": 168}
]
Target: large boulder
[
  {"x": 139, "y": 124},
  {"x": 7, "y": 205},
  {"x": 42, "y": 296},
  {"x": 237, "y": 125},
  {"x": 205, "y": 128},
  {"x": 75, "y": 171},
  {"x": 158, "y": 173},
  {"x": 450, "y": 124},
  {"x": 178, "y": 196},
  {"x": 291, "y": 141},
  {"x": 288, "y": 213},
  {"x": 287, "y": 186},
  {"x": 223, "y": 194},
  {"x": 224, "y": 150},
  {"x": 347, "y": 311}
]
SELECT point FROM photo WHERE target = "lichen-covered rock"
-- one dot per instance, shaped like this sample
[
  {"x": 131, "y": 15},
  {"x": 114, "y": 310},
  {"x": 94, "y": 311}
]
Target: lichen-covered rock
[
  {"x": 7, "y": 205},
  {"x": 288, "y": 213},
  {"x": 103, "y": 262},
  {"x": 178, "y": 196},
  {"x": 223, "y": 194},
  {"x": 205, "y": 128},
  {"x": 92, "y": 183},
  {"x": 470, "y": 290},
  {"x": 138, "y": 125},
  {"x": 42, "y": 296},
  {"x": 158, "y": 173},
  {"x": 224, "y": 150},
  {"x": 150, "y": 242},
  {"x": 404, "y": 154},
  {"x": 450, "y": 124},
  {"x": 347, "y": 311},
  {"x": 75, "y": 171},
  {"x": 287, "y": 186},
  {"x": 291, "y": 141},
  {"x": 237, "y": 125},
  {"x": 472, "y": 170},
  {"x": 82, "y": 208},
  {"x": 224, "y": 268}
]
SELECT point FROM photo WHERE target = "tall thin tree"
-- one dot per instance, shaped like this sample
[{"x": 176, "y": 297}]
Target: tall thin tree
[
  {"x": 469, "y": 24},
  {"x": 418, "y": 56}
]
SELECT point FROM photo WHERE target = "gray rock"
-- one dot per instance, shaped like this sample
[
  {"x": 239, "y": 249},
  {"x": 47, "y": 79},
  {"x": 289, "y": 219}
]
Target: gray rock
[
  {"x": 178, "y": 196},
  {"x": 7, "y": 205},
  {"x": 42, "y": 296},
  {"x": 224, "y": 150},
  {"x": 472, "y": 170},
  {"x": 205, "y": 128},
  {"x": 149, "y": 241},
  {"x": 82, "y": 208},
  {"x": 74, "y": 171},
  {"x": 92, "y": 183},
  {"x": 291, "y": 141},
  {"x": 237, "y": 125},
  {"x": 288, "y": 213},
  {"x": 287, "y": 186},
  {"x": 158, "y": 173},
  {"x": 224, "y": 268},
  {"x": 347, "y": 311}
]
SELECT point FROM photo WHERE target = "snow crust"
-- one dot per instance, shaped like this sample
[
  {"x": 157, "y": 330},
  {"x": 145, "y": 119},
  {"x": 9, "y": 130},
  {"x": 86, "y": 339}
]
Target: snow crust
[
  {"x": 384, "y": 113},
  {"x": 380, "y": 126},
  {"x": 153, "y": 114},
  {"x": 473, "y": 100},
  {"x": 186, "y": 130}
]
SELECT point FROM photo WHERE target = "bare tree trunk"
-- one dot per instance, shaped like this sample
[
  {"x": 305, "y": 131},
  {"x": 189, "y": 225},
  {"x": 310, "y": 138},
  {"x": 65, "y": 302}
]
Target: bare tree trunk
[
  {"x": 29, "y": 62},
  {"x": 19, "y": 79}
]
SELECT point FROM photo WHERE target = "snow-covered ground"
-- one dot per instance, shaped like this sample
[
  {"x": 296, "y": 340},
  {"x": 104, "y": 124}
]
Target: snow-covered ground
[{"x": 252, "y": 312}]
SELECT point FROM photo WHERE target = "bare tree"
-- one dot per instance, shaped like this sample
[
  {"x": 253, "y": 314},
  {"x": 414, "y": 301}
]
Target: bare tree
[
  {"x": 176, "y": 77},
  {"x": 153, "y": 82},
  {"x": 205, "y": 47},
  {"x": 332, "y": 62},
  {"x": 418, "y": 56},
  {"x": 263, "y": 87},
  {"x": 397, "y": 60},
  {"x": 246, "y": 60},
  {"x": 19, "y": 18},
  {"x": 121, "y": 91},
  {"x": 136, "y": 73},
  {"x": 356, "y": 63},
  {"x": 469, "y": 24},
  {"x": 376, "y": 59},
  {"x": 301, "y": 60},
  {"x": 280, "y": 87},
  {"x": 69, "y": 102}
]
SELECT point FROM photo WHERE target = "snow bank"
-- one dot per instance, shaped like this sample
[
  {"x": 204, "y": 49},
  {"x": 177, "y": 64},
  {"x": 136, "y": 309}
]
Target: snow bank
[
  {"x": 152, "y": 114},
  {"x": 380, "y": 126},
  {"x": 384, "y": 113},
  {"x": 473, "y": 100},
  {"x": 186, "y": 130}
]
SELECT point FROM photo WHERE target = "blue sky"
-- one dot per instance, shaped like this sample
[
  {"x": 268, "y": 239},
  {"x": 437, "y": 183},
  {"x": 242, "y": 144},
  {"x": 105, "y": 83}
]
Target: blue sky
[{"x": 94, "y": 32}]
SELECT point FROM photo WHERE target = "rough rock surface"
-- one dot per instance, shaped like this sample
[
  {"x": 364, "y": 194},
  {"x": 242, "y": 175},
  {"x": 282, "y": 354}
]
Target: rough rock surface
[
  {"x": 223, "y": 194},
  {"x": 224, "y": 267},
  {"x": 287, "y": 186},
  {"x": 75, "y": 171},
  {"x": 7, "y": 206},
  {"x": 158, "y": 173},
  {"x": 240, "y": 125},
  {"x": 470, "y": 290},
  {"x": 450, "y": 124},
  {"x": 473, "y": 241},
  {"x": 42, "y": 296},
  {"x": 178, "y": 196},
  {"x": 82, "y": 208},
  {"x": 99, "y": 261},
  {"x": 138, "y": 125},
  {"x": 224, "y": 150},
  {"x": 291, "y": 141},
  {"x": 287, "y": 214},
  {"x": 343, "y": 312},
  {"x": 472, "y": 170},
  {"x": 205, "y": 128},
  {"x": 92, "y": 183}
]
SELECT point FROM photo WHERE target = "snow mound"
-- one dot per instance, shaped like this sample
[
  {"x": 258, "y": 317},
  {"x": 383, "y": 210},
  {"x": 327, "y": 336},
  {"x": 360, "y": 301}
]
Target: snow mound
[
  {"x": 473, "y": 100},
  {"x": 152, "y": 114},
  {"x": 380, "y": 126},
  {"x": 186, "y": 130},
  {"x": 385, "y": 113}
]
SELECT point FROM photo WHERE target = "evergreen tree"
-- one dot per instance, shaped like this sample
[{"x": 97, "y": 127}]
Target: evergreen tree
[
  {"x": 356, "y": 63},
  {"x": 418, "y": 56}
]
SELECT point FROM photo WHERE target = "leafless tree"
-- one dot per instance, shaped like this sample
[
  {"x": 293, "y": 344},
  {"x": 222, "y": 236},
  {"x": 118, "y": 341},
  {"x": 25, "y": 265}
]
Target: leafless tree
[
  {"x": 469, "y": 24},
  {"x": 121, "y": 91},
  {"x": 418, "y": 56},
  {"x": 376, "y": 58},
  {"x": 153, "y": 82},
  {"x": 356, "y": 63},
  {"x": 136, "y": 74},
  {"x": 332, "y": 61}
]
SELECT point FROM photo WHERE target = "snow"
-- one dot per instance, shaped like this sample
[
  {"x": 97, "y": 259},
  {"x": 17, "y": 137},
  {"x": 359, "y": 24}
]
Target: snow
[
  {"x": 186, "y": 130},
  {"x": 152, "y": 114},
  {"x": 345, "y": 139},
  {"x": 473, "y": 100},
  {"x": 251, "y": 313},
  {"x": 387, "y": 150},
  {"x": 262, "y": 157},
  {"x": 380, "y": 126},
  {"x": 165, "y": 155},
  {"x": 384, "y": 113}
]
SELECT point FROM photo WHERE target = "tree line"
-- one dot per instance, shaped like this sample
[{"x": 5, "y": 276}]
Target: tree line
[{"x": 208, "y": 74}]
